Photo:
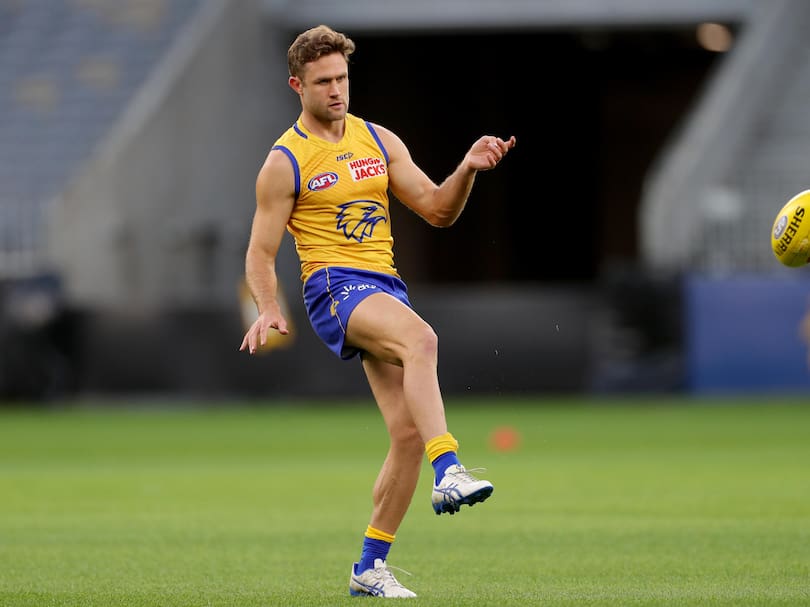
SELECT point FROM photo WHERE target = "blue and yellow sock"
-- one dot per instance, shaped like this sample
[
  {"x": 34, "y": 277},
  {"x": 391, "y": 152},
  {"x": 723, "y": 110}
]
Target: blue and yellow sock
[
  {"x": 441, "y": 452},
  {"x": 376, "y": 545}
]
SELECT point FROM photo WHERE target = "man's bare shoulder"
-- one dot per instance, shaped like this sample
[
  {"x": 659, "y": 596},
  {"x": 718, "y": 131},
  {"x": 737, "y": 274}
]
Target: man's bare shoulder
[
  {"x": 277, "y": 175},
  {"x": 390, "y": 140},
  {"x": 382, "y": 131},
  {"x": 276, "y": 162}
]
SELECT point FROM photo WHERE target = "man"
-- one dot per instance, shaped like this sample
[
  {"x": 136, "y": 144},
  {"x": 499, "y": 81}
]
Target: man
[{"x": 326, "y": 181}]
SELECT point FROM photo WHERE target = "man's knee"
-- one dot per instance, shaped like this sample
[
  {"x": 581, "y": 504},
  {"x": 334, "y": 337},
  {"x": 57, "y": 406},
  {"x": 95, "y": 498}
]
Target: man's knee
[{"x": 423, "y": 343}]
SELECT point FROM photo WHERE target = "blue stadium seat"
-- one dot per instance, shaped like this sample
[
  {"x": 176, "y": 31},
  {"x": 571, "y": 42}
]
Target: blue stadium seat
[{"x": 68, "y": 69}]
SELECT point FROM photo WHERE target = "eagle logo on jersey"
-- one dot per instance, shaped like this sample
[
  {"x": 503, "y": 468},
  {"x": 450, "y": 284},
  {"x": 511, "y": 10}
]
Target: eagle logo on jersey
[{"x": 358, "y": 218}]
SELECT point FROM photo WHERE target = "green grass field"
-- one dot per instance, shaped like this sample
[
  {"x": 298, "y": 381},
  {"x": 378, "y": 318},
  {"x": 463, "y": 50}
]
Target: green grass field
[{"x": 649, "y": 501}]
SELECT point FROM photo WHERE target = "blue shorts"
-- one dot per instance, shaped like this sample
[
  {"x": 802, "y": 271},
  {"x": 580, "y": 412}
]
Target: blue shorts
[{"x": 331, "y": 295}]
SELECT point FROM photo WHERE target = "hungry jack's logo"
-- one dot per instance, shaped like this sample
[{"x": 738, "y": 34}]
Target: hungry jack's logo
[
  {"x": 366, "y": 168},
  {"x": 358, "y": 218}
]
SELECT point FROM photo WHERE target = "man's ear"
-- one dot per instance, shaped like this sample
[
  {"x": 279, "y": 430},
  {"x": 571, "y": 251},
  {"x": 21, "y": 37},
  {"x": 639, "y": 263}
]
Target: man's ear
[{"x": 295, "y": 84}]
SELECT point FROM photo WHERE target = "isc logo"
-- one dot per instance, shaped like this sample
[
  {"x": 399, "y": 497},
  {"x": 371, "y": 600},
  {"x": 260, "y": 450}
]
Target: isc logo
[{"x": 322, "y": 182}]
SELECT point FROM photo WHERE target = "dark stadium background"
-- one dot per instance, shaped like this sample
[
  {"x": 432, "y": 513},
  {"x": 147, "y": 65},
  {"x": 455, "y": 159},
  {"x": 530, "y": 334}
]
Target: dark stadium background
[{"x": 591, "y": 109}]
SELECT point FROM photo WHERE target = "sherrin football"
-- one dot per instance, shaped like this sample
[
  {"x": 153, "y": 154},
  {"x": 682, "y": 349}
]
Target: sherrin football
[{"x": 790, "y": 238}]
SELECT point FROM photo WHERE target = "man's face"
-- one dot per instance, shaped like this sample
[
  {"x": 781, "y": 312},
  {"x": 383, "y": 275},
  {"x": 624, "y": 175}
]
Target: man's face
[{"x": 324, "y": 87}]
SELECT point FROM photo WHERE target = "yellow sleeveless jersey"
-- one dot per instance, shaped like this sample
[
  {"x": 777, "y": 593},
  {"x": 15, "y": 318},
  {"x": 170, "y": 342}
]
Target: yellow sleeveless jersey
[{"x": 340, "y": 217}]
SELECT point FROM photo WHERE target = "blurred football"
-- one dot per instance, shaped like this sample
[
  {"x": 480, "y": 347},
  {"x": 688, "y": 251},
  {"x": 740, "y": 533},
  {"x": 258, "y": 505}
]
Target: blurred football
[{"x": 790, "y": 238}]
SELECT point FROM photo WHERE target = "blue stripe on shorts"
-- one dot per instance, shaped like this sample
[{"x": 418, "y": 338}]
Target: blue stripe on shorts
[{"x": 331, "y": 295}]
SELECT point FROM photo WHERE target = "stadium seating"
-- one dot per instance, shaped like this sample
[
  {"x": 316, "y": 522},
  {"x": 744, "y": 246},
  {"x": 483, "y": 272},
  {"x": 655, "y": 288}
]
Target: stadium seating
[
  {"x": 67, "y": 70},
  {"x": 740, "y": 155}
]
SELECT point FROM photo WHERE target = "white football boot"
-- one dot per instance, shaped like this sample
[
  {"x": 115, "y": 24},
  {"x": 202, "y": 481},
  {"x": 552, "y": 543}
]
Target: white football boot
[
  {"x": 459, "y": 487},
  {"x": 378, "y": 581}
]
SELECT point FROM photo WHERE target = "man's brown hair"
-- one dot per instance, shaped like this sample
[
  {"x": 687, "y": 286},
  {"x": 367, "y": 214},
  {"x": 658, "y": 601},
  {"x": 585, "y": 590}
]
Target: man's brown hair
[{"x": 314, "y": 44}]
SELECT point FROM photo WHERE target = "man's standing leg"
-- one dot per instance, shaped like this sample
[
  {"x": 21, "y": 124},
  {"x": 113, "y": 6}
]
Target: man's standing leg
[{"x": 395, "y": 484}]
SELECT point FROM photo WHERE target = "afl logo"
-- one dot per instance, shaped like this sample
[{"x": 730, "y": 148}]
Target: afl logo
[{"x": 324, "y": 181}]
